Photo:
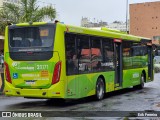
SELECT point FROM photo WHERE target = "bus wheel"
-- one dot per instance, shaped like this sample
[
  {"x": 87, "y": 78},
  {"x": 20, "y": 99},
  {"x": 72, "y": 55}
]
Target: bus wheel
[
  {"x": 141, "y": 85},
  {"x": 142, "y": 81},
  {"x": 100, "y": 89}
]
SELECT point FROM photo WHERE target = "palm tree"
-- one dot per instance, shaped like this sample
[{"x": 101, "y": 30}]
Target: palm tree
[{"x": 27, "y": 11}]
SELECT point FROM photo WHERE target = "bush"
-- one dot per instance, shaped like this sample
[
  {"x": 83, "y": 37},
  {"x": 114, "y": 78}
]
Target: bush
[{"x": 157, "y": 68}]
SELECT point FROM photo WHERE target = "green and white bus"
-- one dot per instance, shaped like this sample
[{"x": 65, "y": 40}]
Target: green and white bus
[{"x": 54, "y": 60}]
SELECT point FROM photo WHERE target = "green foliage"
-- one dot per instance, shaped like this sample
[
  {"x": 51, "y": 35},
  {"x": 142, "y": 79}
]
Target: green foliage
[
  {"x": 27, "y": 11},
  {"x": 157, "y": 68}
]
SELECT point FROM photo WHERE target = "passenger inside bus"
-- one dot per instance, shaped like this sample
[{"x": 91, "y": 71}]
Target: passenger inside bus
[
  {"x": 37, "y": 43},
  {"x": 72, "y": 62},
  {"x": 26, "y": 43},
  {"x": 16, "y": 43}
]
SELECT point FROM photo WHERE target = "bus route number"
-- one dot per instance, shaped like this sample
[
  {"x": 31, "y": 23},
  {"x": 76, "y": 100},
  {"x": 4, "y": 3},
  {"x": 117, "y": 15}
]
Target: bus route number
[{"x": 42, "y": 67}]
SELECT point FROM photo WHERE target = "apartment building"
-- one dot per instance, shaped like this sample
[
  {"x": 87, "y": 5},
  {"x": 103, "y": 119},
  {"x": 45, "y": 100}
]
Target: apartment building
[{"x": 145, "y": 20}]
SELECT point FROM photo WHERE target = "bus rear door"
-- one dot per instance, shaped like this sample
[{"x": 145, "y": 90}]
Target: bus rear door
[
  {"x": 118, "y": 62},
  {"x": 150, "y": 62}
]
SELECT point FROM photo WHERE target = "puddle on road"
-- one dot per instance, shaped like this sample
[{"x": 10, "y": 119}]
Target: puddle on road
[
  {"x": 117, "y": 103},
  {"x": 149, "y": 99}
]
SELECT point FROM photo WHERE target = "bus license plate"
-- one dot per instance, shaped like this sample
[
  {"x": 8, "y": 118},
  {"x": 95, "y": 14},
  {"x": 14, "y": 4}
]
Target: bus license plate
[{"x": 30, "y": 82}]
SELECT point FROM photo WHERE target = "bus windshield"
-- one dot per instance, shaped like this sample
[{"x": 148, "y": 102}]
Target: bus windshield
[{"x": 35, "y": 36}]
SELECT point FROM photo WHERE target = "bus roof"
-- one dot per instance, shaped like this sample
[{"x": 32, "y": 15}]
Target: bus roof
[
  {"x": 111, "y": 33},
  {"x": 104, "y": 32}
]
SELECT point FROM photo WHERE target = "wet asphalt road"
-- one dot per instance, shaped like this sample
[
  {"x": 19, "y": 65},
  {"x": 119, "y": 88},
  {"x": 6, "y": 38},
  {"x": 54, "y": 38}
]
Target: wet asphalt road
[{"x": 147, "y": 99}]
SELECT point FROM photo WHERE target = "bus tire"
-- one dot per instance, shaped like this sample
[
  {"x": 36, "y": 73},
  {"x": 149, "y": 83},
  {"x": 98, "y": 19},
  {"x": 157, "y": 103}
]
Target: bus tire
[
  {"x": 100, "y": 89},
  {"x": 141, "y": 85}
]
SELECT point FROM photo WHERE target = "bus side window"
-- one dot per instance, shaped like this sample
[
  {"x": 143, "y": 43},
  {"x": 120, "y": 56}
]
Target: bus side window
[
  {"x": 108, "y": 54},
  {"x": 83, "y": 54},
  {"x": 128, "y": 53},
  {"x": 71, "y": 57},
  {"x": 96, "y": 54}
]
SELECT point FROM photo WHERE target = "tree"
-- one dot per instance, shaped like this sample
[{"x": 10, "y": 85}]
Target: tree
[{"x": 27, "y": 11}]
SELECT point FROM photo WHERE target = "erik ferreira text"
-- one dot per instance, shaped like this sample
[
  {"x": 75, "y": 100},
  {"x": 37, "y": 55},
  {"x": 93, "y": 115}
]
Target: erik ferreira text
[{"x": 147, "y": 115}]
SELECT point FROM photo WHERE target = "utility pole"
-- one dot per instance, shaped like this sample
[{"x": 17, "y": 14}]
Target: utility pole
[{"x": 126, "y": 15}]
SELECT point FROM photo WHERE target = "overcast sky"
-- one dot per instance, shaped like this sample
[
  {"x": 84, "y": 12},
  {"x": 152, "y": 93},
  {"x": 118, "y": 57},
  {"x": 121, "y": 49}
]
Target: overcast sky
[{"x": 72, "y": 11}]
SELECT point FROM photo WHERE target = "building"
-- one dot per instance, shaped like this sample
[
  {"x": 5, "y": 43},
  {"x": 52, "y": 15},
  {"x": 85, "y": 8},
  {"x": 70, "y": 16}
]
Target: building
[
  {"x": 85, "y": 22},
  {"x": 119, "y": 25},
  {"x": 145, "y": 20}
]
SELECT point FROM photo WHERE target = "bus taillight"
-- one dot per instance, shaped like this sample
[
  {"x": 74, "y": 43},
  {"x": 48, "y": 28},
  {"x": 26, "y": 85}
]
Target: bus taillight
[
  {"x": 7, "y": 73},
  {"x": 56, "y": 73}
]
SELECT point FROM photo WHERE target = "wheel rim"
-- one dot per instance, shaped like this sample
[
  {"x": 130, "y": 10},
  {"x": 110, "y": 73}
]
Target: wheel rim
[
  {"x": 100, "y": 89},
  {"x": 142, "y": 81}
]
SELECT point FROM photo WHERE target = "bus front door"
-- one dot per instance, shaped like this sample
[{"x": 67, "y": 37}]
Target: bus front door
[
  {"x": 150, "y": 63},
  {"x": 118, "y": 62}
]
